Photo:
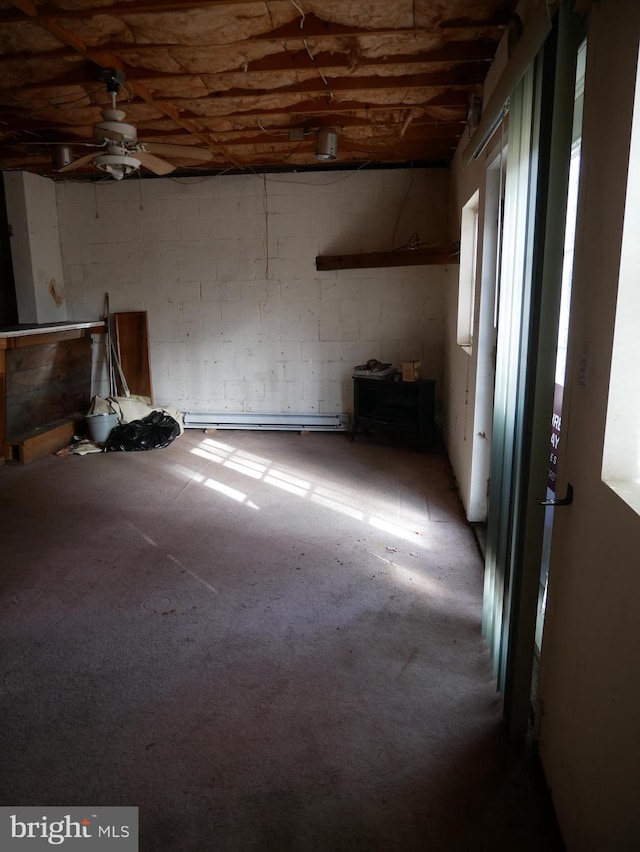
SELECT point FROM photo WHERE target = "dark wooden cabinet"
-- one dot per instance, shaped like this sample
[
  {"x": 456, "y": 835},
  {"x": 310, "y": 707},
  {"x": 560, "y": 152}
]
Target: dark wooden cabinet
[{"x": 403, "y": 409}]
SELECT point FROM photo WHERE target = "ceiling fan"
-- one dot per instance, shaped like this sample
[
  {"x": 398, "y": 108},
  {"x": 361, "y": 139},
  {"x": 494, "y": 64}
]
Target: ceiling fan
[{"x": 120, "y": 152}]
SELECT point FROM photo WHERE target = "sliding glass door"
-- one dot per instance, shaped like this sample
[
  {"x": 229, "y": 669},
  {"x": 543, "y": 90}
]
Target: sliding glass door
[{"x": 528, "y": 308}]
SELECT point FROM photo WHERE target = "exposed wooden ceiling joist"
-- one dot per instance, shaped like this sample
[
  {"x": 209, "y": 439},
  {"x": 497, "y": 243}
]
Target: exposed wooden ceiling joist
[
  {"x": 235, "y": 76},
  {"x": 314, "y": 27},
  {"x": 479, "y": 51}
]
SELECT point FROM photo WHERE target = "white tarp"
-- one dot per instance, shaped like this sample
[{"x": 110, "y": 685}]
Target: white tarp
[{"x": 130, "y": 408}]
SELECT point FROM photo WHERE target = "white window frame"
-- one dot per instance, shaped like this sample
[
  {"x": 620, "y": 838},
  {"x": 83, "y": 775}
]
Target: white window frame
[
  {"x": 469, "y": 231},
  {"x": 621, "y": 456}
]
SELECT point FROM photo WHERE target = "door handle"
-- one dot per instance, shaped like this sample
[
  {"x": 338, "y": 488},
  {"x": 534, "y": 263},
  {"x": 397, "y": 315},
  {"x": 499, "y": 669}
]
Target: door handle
[{"x": 563, "y": 501}]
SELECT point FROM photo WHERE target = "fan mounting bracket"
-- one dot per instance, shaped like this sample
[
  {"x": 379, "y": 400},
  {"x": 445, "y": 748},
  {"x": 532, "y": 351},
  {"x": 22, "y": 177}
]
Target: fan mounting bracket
[{"x": 113, "y": 78}]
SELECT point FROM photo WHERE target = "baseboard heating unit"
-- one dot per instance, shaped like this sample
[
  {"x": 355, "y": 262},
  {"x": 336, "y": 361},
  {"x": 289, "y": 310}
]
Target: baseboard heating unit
[{"x": 272, "y": 422}]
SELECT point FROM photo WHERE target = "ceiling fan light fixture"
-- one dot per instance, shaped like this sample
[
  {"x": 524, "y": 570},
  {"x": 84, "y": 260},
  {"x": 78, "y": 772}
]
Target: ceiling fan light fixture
[
  {"x": 117, "y": 165},
  {"x": 121, "y": 153},
  {"x": 326, "y": 144}
]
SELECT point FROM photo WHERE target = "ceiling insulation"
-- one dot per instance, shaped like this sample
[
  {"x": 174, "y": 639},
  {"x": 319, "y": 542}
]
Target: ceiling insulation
[{"x": 234, "y": 77}]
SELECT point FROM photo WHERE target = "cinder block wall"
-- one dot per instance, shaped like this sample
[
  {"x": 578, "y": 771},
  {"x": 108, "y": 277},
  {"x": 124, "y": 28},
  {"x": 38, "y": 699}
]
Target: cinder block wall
[{"x": 240, "y": 320}]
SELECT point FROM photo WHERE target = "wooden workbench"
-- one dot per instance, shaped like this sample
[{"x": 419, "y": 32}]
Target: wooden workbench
[{"x": 45, "y": 386}]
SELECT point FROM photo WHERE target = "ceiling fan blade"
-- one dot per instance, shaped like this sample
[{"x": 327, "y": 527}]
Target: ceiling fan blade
[
  {"x": 178, "y": 151},
  {"x": 154, "y": 164},
  {"x": 78, "y": 164}
]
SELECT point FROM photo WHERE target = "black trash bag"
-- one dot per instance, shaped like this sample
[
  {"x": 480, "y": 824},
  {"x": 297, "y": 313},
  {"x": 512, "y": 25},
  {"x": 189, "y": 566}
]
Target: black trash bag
[{"x": 152, "y": 432}]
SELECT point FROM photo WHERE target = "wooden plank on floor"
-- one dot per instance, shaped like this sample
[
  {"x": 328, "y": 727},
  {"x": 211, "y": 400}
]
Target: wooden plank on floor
[{"x": 45, "y": 440}]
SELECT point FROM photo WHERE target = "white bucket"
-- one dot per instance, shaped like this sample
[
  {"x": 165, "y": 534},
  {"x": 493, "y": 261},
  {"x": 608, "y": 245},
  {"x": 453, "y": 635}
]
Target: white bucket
[{"x": 100, "y": 426}]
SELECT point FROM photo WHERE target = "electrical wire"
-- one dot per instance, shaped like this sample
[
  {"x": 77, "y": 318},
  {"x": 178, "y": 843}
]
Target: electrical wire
[
  {"x": 266, "y": 227},
  {"x": 401, "y": 210},
  {"x": 269, "y": 132},
  {"x": 424, "y": 244},
  {"x": 313, "y": 59},
  {"x": 302, "y": 19},
  {"x": 188, "y": 180},
  {"x": 310, "y": 183},
  {"x": 52, "y": 101}
]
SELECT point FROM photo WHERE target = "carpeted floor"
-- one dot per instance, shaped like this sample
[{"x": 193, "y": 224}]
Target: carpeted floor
[{"x": 265, "y": 641}]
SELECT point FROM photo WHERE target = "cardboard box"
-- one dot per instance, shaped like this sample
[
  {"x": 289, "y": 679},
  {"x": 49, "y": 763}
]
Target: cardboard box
[{"x": 411, "y": 370}]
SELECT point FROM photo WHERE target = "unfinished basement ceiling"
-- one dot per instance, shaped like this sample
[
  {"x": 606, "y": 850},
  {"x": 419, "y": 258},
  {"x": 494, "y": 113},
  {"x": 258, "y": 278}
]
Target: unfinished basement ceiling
[{"x": 249, "y": 82}]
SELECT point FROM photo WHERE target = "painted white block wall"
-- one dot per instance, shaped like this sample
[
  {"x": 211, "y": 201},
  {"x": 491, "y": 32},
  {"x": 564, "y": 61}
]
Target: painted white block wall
[
  {"x": 239, "y": 318},
  {"x": 35, "y": 248}
]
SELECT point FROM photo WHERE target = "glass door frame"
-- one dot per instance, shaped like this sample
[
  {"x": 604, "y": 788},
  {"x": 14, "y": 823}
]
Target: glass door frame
[{"x": 540, "y": 130}]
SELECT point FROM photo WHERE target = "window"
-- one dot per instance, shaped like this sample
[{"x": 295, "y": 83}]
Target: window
[
  {"x": 621, "y": 460},
  {"x": 468, "y": 270}
]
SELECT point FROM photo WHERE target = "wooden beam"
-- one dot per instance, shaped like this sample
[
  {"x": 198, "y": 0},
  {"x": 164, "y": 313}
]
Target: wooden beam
[
  {"x": 479, "y": 50},
  {"x": 465, "y": 76},
  {"x": 287, "y": 61},
  {"x": 310, "y": 114},
  {"x": 112, "y": 61},
  {"x": 26, "y": 6},
  {"x": 420, "y": 124},
  {"x": 456, "y": 99},
  {"x": 418, "y": 156},
  {"x": 36, "y": 338},
  {"x": 453, "y": 99},
  {"x": 314, "y": 28},
  {"x": 469, "y": 75},
  {"x": 239, "y": 108},
  {"x": 313, "y": 108},
  {"x": 299, "y": 59},
  {"x": 364, "y": 149},
  {"x": 379, "y": 259},
  {"x": 239, "y": 102},
  {"x": 65, "y": 36},
  {"x": 136, "y": 7},
  {"x": 279, "y": 136},
  {"x": 471, "y": 72}
]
